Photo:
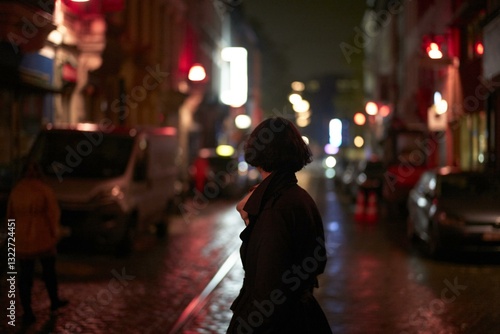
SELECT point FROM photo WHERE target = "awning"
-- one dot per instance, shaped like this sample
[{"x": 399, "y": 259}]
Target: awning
[
  {"x": 12, "y": 80},
  {"x": 26, "y": 88}
]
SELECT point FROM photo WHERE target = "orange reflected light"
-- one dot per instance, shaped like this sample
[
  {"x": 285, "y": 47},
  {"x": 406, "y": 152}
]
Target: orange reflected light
[
  {"x": 87, "y": 127},
  {"x": 384, "y": 111}
]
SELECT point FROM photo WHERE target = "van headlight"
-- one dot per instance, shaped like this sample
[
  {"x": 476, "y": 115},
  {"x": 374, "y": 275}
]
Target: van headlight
[
  {"x": 113, "y": 194},
  {"x": 117, "y": 192}
]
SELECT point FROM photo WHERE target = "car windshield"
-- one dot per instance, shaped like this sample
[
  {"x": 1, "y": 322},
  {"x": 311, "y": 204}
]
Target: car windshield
[
  {"x": 82, "y": 154},
  {"x": 467, "y": 185}
]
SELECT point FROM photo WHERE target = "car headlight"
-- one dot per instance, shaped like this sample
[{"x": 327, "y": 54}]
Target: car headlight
[{"x": 362, "y": 178}]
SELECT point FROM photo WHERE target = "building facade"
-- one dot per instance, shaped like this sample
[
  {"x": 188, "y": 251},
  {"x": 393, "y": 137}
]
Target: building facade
[
  {"x": 432, "y": 63},
  {"x": 131, "y": 62}
]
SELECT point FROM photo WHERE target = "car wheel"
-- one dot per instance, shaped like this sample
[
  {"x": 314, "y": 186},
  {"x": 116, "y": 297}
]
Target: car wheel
[
  {"x": 125, "y": 245},
  {"x": 433, "y": 243},
  {"x": 413, "y": 241},
  {"x": 410, "y": 230}
]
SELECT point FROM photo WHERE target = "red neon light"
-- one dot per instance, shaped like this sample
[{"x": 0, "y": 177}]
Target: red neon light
[
  {"x": 93, "y": 6},
  {"x": 479, "y": 48}
]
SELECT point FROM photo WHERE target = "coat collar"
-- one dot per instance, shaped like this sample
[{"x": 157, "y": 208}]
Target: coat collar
[{"x": 271, "y": 185}]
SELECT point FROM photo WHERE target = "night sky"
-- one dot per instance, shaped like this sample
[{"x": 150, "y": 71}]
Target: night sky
[
  {"x": 305, "y": 38},
  {"x": 309, "y": 32}
]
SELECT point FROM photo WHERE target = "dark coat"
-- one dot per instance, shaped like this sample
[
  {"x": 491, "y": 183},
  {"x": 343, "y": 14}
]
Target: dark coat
[{"x": 282, "y": 252}]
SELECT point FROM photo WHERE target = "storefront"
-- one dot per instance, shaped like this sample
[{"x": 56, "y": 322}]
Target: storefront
[{"x": 491, "y": 73}]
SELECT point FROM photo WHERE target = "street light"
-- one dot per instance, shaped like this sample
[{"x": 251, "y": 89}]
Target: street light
[
  {"x": 197, "y": 73},
  {"x": 243, "y": 122},
  {"x": 441, "y": 105},
  {"x": 371, "y": 108},
  {"x": 298, "y": 86},
  {"x": 301, "y": 106},
  {"x": 359, "y": 119},
  {"x": 359, "y": 141},
  {"x": 294, "y": 98},
  {"x": 433, "y": 51}
]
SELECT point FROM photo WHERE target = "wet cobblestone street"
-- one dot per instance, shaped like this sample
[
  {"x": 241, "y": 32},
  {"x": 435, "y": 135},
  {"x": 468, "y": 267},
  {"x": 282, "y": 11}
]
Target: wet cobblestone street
[
  {"x": 374, "y": 281},
  {"x": 145, "y": 293}
]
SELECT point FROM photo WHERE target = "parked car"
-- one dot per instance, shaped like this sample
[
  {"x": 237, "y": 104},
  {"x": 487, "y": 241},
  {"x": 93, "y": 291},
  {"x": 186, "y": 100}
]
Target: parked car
[
  {"x": 370, "y": 175},
  {"x": 451, "y": 209},
  {"x": 367, "y": 177},
  {"x": 216, "y": 175},
  {"x": 111, "y": 183}
]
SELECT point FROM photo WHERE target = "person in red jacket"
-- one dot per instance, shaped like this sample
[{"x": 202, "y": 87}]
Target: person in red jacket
[
  {"x": 35, "y": 209},
  {"x": 283, "y": 249}
]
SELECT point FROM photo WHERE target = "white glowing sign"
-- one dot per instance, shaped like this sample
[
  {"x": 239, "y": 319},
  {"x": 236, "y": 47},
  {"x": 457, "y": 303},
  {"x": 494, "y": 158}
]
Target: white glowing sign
[
  {"x": 234, "y": 81},
  {"x": 335, "y": 128}
]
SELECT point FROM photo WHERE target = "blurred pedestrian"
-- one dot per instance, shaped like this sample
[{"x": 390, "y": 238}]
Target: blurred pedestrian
[
  {"x": 34, "y": 207},
  {"x": 283, "y": 248},
  {"x": 201, "y": 169}
]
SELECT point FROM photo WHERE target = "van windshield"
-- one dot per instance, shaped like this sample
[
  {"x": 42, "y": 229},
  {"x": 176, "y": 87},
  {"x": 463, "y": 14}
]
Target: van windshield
[{"x": 82, "y": 154}]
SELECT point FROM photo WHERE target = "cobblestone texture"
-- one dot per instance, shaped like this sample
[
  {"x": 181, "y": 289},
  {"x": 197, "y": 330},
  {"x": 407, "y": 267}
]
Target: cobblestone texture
[
  {"x": 167, "y": 275},
  {"x": 374, "y": 282}
]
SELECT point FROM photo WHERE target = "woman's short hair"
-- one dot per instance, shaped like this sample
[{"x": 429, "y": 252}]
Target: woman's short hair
[{"x": 276, "y": 144}]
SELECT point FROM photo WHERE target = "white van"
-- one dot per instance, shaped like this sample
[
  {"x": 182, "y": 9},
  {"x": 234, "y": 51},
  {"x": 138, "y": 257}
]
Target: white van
[{"x": 111, "y": 182}]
